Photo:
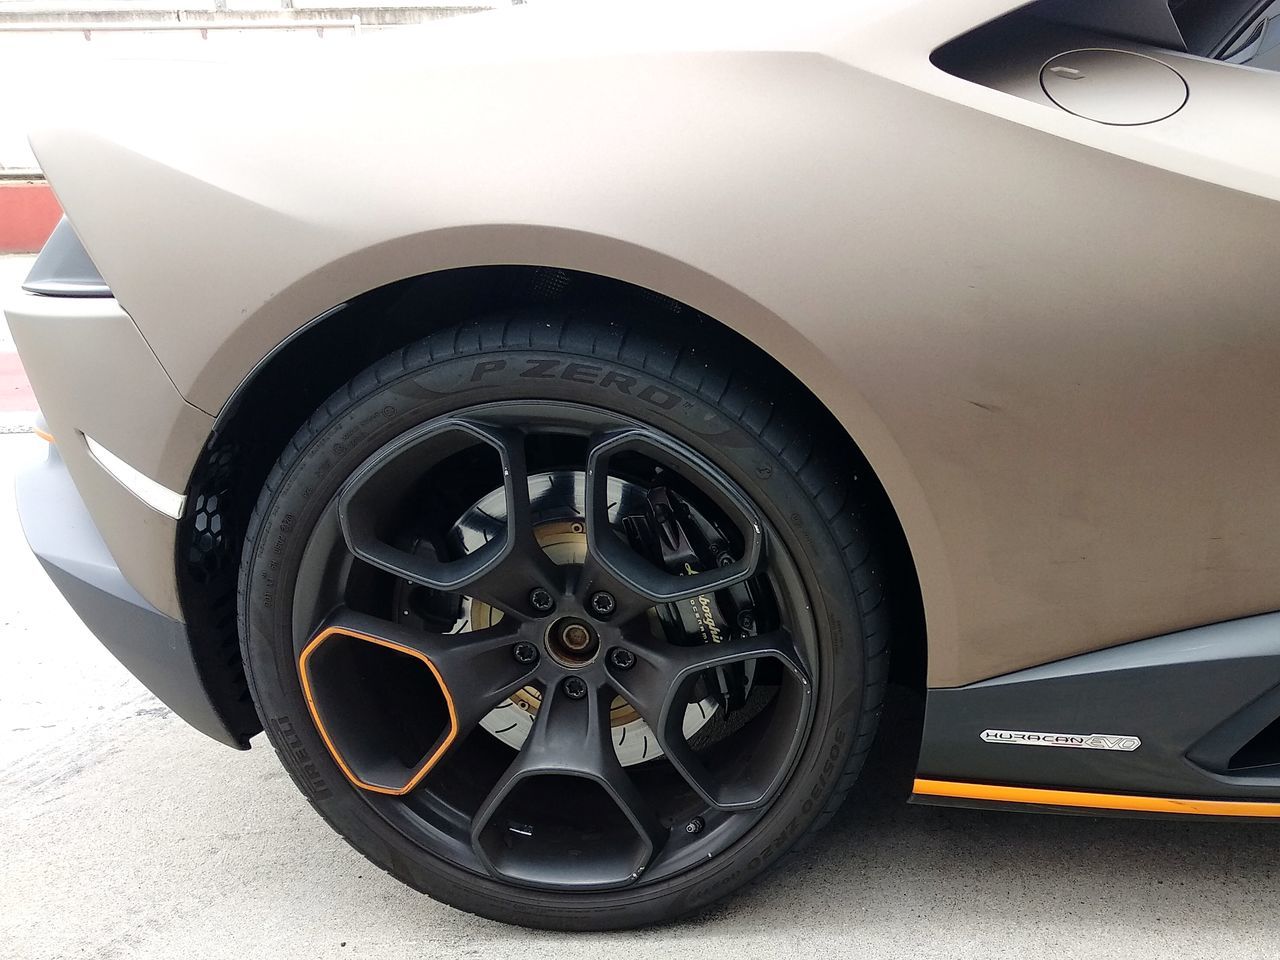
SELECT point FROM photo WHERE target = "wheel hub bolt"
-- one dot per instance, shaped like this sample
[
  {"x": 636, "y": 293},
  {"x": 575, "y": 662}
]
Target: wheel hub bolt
[
  {"x": 603, "y": 604},
  {"x": 696, "y": 825},
  {"x": 575, "y": 688},
  {"x": 622, "y": 658},
  {"x": 541, "y": 600},
  {"x": 524, "y": 652}
]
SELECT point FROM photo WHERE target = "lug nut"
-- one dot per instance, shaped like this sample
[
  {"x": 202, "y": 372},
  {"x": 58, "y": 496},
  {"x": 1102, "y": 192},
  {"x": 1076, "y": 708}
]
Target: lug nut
[
  {"x": 541, "y": 600},
  {"x": 603, "y": 604},
  {"x": 622, "y": 658},
  {"x": 525, "y": 652},
  {"x": 696, "y": 825},
  {"x": 574, "y": 688}
]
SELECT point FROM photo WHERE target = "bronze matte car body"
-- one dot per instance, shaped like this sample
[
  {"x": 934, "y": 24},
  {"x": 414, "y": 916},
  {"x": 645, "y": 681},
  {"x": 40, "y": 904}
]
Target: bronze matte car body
[{"x": 1051, "y": 337}]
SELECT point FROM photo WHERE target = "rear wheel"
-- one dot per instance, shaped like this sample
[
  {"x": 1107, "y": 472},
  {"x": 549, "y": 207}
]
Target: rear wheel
[{"x": 562, "y": 623}]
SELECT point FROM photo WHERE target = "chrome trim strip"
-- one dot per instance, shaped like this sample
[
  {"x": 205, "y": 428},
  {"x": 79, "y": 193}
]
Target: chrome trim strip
[
  {"x": 66, "y": 288},
  {"x": 155, "y": 495}
]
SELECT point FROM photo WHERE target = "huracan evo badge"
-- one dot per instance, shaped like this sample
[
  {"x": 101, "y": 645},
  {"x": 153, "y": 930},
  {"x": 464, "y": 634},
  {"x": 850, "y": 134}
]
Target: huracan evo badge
[{"x": 1078, "y": 741}]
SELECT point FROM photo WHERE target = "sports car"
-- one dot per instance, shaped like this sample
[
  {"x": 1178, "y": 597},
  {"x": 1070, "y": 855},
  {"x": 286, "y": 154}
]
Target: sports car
[{"x": 557, "y": 428}]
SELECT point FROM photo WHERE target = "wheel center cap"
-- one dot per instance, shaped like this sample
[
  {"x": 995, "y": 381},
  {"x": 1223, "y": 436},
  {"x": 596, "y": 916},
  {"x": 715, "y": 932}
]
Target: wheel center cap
[{"x": 572, "y": 642}]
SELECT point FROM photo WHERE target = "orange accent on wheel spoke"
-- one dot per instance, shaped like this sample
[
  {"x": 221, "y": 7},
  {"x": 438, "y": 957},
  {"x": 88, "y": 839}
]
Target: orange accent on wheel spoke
[{"x": 431, "y": 760}]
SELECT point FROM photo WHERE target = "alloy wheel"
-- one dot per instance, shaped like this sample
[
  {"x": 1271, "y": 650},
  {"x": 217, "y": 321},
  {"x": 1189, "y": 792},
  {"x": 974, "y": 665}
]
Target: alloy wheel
[{"x": 589, "y": 578}]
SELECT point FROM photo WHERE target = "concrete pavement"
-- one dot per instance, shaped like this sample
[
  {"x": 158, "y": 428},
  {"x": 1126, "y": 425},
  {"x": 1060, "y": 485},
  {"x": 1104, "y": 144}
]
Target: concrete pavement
[
  {"x": 13, "y": 270},
  {"x": 17, "y": 402},
  {"x": 128, "y": 835}
]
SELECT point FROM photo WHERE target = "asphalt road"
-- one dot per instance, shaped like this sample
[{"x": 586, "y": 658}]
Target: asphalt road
[{"x": 125, "y": 834}]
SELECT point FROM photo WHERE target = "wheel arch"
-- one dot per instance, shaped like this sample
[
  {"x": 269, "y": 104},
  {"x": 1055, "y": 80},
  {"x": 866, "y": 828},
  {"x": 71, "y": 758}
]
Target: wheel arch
[{"x": 303, "y": 365}]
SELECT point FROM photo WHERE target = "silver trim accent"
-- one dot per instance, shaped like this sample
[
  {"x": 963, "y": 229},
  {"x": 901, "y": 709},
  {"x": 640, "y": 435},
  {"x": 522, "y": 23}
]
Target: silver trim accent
[
  {"x": 66, "y": 288},
  {"x": 155, "y": 495},
  {"x": 1076, "y": 741}
]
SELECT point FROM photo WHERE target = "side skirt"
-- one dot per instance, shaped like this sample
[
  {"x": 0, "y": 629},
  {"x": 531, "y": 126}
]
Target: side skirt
[
  {"x": 1186, "y": 724},
  {"x": 987, "y": 796}
]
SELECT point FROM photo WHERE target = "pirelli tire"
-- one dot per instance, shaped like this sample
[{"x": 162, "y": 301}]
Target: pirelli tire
[{"x": 679, "y": 385}]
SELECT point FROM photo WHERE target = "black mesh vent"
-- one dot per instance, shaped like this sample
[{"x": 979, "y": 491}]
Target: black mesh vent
[
  {"x": 548, "y": 286},
  {"x": 209, "y": 551},
  {"x": 208, "y": 547}
]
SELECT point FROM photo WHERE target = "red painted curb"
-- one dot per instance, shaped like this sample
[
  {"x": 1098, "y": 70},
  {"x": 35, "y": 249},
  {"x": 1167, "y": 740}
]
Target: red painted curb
[{"x": 28, "y": 214}]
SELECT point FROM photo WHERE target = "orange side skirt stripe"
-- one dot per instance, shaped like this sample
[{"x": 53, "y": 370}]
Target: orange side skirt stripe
[{"x": 1095, "y": 801}]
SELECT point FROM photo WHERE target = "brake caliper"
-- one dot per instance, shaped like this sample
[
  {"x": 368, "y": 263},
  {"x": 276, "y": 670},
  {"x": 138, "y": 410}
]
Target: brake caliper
[{"x": 673, "y": 537}]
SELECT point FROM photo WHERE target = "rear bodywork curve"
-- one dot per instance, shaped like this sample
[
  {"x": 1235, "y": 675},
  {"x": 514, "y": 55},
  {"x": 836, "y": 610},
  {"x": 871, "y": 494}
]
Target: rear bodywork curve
[
  {"x": 95, "y": 377},
  {"x": 1053, "y": 341}
]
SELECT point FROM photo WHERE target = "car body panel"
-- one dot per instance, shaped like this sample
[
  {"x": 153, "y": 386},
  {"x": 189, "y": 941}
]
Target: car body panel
[
  {"x": 155, "y": 647},
  {"x": 1053, "y": 340},
  {"x": 94, "y": 375}
]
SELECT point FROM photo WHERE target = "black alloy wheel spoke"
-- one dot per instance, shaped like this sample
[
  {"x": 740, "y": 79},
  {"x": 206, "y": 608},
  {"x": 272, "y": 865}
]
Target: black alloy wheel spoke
[
  {"x": 571, "y": 737},
  {"x": 503, "y": 572},
  {"x": 594, "y": 578},
  {"x": 477, "y": 668},
  {"x": 526, "y": 567},
  {"x": 676, "y": 661},
  {"x": 613, "y": 560},
  {"x": 659, "y": 685}
]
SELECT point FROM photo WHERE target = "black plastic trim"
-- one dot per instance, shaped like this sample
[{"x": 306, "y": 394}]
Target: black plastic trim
[
  {"x": 153, "y": 647},
  {"x": 1146, "y": 21},
  {"x": 1194, "y": 698}
]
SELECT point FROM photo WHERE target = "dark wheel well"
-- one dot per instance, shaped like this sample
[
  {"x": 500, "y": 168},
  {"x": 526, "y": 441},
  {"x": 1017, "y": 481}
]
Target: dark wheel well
[{"x": 282, "y": 391}]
